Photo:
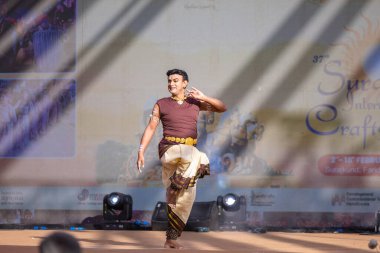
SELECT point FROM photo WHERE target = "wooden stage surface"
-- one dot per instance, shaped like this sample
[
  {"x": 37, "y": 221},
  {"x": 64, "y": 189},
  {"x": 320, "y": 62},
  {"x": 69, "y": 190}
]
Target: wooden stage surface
[{"x": 109, "y": 241}]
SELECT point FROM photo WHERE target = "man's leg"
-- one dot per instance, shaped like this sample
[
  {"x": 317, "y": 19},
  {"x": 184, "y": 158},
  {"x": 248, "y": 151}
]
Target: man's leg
[
  {"x": 180, "y": 164},
  {"x": 178, "y": 216}
]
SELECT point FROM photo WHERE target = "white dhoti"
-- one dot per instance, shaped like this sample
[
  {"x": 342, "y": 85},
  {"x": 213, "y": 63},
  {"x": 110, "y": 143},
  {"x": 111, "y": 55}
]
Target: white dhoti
[{"x": 182, "y": 166}]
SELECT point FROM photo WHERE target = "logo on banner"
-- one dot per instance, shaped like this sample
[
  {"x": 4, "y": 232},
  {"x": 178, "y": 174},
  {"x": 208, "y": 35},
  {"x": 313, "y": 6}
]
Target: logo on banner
[
  {"x": 11, "y": 198},
  {"x": 353, "y": 199},
  {"x": 83, "y": 195},
  {"x": 86, "y": 197},
  {"x": 261, "y": 199},
  {"x": 338, "y": 199}
]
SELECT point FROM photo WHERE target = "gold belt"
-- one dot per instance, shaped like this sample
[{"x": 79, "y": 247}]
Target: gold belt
[{"x": 187, "y": 141}]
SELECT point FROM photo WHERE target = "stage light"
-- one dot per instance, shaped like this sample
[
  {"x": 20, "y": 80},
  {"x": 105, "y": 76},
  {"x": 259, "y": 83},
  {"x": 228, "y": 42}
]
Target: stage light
[
  {"x": 377, "y": 221},
  {"x": 232, "y": 211},
  {"x": 231, "y": 202},
  {"x": 117, "y": 207}
]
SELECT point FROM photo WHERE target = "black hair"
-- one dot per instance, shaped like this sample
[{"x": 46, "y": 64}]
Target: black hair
[
  {"x": 59, "y": 242},
  {"x": 178, "y": 72}
]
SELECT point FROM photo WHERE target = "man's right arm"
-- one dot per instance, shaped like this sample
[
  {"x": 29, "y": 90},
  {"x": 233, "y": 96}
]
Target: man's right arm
[{"x": 147, "y": 136}]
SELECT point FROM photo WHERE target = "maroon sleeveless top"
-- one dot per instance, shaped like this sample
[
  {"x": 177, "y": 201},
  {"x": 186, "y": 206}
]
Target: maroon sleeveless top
[{"x": 178, "y": 120}]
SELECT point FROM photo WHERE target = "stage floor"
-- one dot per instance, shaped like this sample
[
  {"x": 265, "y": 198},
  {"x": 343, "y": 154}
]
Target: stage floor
[{"x": 27, "y": 241}]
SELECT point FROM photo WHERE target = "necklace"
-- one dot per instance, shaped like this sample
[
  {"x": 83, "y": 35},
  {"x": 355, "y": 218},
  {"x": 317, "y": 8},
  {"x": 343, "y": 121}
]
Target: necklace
[{"x": 179, "y": 101}]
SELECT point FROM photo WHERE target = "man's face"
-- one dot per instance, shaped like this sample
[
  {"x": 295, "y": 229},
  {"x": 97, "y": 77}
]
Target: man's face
[{"x": 176, "y": 84}]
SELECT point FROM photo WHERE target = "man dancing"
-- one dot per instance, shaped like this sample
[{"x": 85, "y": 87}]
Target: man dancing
[{"x": 182, "y": 162}]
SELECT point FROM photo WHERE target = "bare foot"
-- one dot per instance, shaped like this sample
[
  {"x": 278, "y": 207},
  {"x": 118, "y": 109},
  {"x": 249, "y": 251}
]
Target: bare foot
[{"x": 172, "y": 244}]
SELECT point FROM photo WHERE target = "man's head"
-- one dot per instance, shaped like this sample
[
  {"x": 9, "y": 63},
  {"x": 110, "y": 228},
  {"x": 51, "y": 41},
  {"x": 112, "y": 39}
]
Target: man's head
[
  {"x": 60, "y": 242},
  {"x": 177, "y": 81},
  {"x": 178, "y": 72}
]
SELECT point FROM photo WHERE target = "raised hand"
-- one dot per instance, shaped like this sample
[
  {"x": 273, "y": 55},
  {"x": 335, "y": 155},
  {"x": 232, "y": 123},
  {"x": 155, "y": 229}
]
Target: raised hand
[{"x": 197, "y": 94}]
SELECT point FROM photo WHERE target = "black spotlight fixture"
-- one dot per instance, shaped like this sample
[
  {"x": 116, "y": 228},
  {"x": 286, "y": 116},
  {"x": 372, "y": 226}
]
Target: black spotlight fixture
[
  {"x": 232, "y": 212},
  {"x": 117, "y": 207},
  {"x": 377, "y": 221}
]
